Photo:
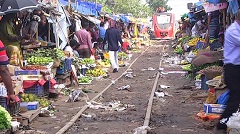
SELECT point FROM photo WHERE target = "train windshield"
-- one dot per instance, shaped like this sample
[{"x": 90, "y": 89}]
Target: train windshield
[{"x": 164, "y": 19}]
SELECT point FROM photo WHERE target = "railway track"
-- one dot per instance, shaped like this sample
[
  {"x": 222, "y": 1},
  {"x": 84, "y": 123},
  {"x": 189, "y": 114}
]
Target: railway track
[{"x": 147, "y": 103}]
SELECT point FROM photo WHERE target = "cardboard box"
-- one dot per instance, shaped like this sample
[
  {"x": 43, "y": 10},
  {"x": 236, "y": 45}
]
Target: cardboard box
[{"x": 214, "y": 108}]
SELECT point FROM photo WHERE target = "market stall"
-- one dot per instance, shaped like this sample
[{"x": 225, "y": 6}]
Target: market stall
[{"x": 203, "y": 56}]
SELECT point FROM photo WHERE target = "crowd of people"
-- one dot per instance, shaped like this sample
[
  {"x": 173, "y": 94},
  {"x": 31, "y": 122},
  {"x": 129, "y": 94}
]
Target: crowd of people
[
  {"x": 90, "y": 40},
  {"x": 208, "y": 26}
]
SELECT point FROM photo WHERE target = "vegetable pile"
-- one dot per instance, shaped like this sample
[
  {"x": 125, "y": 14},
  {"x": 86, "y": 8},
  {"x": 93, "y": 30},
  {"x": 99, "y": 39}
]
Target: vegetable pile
[
  {"x": 44, "y": 56},
  {"x": 86, "y": 61},
  {"x": 178, "y": 50},
  {"x": 5, "y": 119},
  {"x": 85, "y": 79},
  {"x": 96, "y": 72}
]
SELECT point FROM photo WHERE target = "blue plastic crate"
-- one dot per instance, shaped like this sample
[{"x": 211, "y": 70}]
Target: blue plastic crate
[
  {"x": 26, "y": 72},
  {"x": 32, "y": 105},
  {"x": 3, "y": 102},
  {"x": 35, "y": 89}
]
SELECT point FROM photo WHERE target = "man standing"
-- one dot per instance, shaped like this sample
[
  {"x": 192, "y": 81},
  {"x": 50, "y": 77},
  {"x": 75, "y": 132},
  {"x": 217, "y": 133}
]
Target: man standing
[
  {"x": 4, "y": 72},
  {"x": 102, "y": 31},
  {"x": 113, "y": 37},
  {"x": 85, "y": 42},
  {"x": 231, "y": 73}
]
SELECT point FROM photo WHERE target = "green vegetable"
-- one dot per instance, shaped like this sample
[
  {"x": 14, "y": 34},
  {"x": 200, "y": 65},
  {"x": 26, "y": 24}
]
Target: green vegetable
[
  {"x": 5, "y": 119},
  {"x": 87, "y": 61},
  {"x": 178, "y": 50},
  {"x": 85, "y": 80}
]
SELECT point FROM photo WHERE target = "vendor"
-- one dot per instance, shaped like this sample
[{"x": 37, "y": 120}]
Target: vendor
[
  {"x": 11, "y": 38},
  {"x": 192, "y": 16},
  {"x": 8, "y": 31},
  {"x": 31, "y": 28},
  {"x": 72, "y": 48},
  {"x": 197, "y": 29},
  {"x": 213, "y": 24}
]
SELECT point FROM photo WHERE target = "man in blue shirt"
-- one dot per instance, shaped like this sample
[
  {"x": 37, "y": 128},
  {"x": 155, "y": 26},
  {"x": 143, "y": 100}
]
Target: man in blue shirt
[
  {"x": 102, "y": 31},
  {"x": 231, "y": 73},
  {"x": 192, "y": 17}
]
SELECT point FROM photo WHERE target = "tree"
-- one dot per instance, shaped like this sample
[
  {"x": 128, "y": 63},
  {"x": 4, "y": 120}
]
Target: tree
[
  {"x": 154, "y": 4},
  {"x": 135, "y": 7}
]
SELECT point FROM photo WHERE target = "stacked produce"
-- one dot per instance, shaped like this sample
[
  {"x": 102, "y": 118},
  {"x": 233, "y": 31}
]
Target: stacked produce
[
  {"x": 122, "y": 56},
  {"x": 210, "y": 69},
  {"x": 87, "y": 61},
  {"x": 105, "y": 63},
  {"x": 85, "y": 79},
  {"x": 194, "y": 41},
  {"x": 28, "y": 97},
  {"x": 43, "y": 102},
  {"x": 5, "y": 119},
  {"x": 44, "y": 56},
  {"x": 96, "y": 72},
  {"x": 31, "y": 98}
]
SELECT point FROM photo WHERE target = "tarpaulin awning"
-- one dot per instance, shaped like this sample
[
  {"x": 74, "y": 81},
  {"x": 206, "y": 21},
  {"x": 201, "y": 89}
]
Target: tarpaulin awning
[{"x": 86, "y": 8}]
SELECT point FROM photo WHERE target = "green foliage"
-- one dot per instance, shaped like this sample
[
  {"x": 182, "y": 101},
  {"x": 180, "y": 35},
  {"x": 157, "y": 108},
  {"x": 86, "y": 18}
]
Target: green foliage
[
  {"x": 5, "y": 119},
  {"x": 135, "y": 7},
  {"x": 154, "y": 4}
]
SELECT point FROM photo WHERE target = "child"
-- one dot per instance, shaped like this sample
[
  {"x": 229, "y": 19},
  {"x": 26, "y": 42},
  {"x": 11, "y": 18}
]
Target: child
[{"x": 126, "y": 44}]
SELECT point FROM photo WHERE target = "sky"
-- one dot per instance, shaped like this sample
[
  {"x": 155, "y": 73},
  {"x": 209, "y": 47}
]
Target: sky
[{"x": 179, "y": 7}]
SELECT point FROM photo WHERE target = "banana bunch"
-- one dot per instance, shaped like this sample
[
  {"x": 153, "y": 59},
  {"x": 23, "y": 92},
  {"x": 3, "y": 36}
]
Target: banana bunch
[
  {"x": 193, "y": 41},
  {"x": 96, "y": 72}
]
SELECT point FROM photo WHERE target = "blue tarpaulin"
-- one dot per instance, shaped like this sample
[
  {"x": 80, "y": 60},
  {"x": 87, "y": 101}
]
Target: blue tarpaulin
[{"x": 87, "y": 8}]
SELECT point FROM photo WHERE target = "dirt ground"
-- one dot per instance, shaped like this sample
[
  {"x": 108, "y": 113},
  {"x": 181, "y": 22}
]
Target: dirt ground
[{"x": 172, "y": 114}]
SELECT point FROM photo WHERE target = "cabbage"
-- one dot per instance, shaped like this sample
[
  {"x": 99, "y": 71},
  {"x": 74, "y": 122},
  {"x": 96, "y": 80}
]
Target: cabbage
[{"x": 5, "y": 119}]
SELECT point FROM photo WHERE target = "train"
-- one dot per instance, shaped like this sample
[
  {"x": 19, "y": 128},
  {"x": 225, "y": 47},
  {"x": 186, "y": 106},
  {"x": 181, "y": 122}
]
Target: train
[{"x": 163, "y": 25}]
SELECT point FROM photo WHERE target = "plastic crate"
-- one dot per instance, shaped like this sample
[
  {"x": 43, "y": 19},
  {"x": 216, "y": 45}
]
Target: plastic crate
[
  {"x": 14, "y": 109},
  {"x": 35, "y": 89},
  {"x": 32, "y": 105},
  {"x": 3, "y": 102},
  {"x": 26, "y": 72}
]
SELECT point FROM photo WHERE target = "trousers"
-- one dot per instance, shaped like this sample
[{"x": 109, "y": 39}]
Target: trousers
[
  {"x": 232, "y": 79},
  {"x": 113, "y": 55}
]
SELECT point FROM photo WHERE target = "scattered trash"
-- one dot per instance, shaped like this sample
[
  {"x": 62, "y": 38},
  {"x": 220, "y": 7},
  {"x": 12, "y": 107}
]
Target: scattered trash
[
  {"x": 129, "y": 75},
  {"x": 151, "y": 69},
  {"x": 141, "y": 130},
  {"x": 110, "y": 106},
  {"x": 160, "y": 94},
  {"x": 164, "y": 86},
  {"x": 90, "y": 115},
  {"x": 126, "y": 87},
  {"x": 160, "y": 69},
  {"x": 75, "y": 96},
  {"x": 167, "y": 94},
  {"x": 113, "y": 82}
]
